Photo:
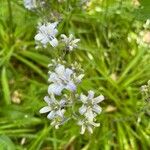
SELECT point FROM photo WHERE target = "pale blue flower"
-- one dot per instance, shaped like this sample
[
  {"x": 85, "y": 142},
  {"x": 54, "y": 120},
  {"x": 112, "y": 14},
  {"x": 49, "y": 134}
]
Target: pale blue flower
[
  {"x": 46, "y": 34},
  {"x": 54, "y": 107},
  {"x": 87, "y": 125},
  {"x": 59, "y": 119},
  {"x": 62, "y": 78},
  {"x": 30, "y": 4},
  {"x": 90, "y": 107},
  {"x": 70, "y": 41}
]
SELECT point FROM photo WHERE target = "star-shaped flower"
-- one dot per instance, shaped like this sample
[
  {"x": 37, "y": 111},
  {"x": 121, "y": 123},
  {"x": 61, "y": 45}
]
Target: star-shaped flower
[
  {"x": 46, "y": 34},
  {"x": 90, "y": 105},
  {"x": 87, "y": 125},
  {"x": 70, "y": 41},
  {"x": 62, "y": 78},
  {"x": 54, "y": 107}
]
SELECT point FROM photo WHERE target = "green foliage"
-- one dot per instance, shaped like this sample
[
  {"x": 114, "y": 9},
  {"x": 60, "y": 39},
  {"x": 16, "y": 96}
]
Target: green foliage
[
  {"x": 113, "y": 66},
  {"x": 144, "y": 10},
  {"x": 5, "y": 86},
  {"x": 6, "y": 143}
]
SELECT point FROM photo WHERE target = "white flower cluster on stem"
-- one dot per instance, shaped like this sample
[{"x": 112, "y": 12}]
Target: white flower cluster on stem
[
  {"x": 62, "y": 101},
  {"x": 63, "y": 83},
  {"x": 63, "y": 95},
  {"x": 89, "y": 110},
  {"x": 47, "y": 35},
  {"x": 63, "y": 78}
]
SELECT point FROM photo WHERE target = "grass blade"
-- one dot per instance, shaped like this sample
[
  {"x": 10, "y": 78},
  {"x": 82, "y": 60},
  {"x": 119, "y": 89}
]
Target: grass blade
[{"x": 5, "y": 86}]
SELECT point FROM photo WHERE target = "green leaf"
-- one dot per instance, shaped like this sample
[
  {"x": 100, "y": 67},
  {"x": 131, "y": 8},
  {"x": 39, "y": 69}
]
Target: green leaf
[
  {"x": 36, "y": 144},
  {"x": 131, "y": 65},
  {"x": 5, "y": 86},
  {"x": 6, "y": 143},
  {"x": 144, "y": 11},
  {"x": 38, "y": 58},
  {"x": 31, "y": 65}
]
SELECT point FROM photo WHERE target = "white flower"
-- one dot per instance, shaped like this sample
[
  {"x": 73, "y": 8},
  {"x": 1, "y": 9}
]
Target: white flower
[
  {"x": 30, "y": 4},
  {"x": 62, "y": 78},
  {"x": 90, "y": 105},
  {"x": 86, "y": 124},
  {"x": 55, "y": 108},
  {"x": 46, "y": 34},
  {"x": 59, "y": 119},
  {"x": 70, "y": 42}
]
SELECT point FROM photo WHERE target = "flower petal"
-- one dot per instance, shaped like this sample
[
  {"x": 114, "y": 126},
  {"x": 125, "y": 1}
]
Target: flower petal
[
  {"x": 60, "y": 113},
  {"x": 53, "y": 25},
  {"x": 62, "y": 103},
  {"x": 79, "y": 78},
  {"x": 89, "y": 115},
  {"x": 47, "y": 99},
  {"x": 39, "y": 37},
  {"x": 97, "y": 109},
  {"x": 80, "y": 122},
  {"x": 75, "y": 41},
  {"x": 54, "y": 42},
  {"x": 70, "y": 37},
  {"x": 83, "y": 98},
  {"x": 95, "y": 124},
  {"x": 44, "y": 41},
  {"x": 51, "y": 115},
  {"x": 64, "y": 37},
  {"x": 68, "y": 73},
  {"x": 83, "y": 127},
  {"x": 98, "y": 99},
  {"x": 90, "y": 94},
  {"x": 71, "y": 86},
  {"x": 60, "y": 69},
  {"x": 45, "y": 109},
  {"x": 53, "y": 77},
  {"x": 89, "y": 128},
  {"x": 82, "y": 109},
  {"x": 55, "y": 88}
]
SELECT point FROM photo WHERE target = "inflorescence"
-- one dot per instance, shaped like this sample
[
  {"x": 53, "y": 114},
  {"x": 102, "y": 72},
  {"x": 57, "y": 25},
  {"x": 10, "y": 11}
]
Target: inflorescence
[{"x": 63, "y": 101}]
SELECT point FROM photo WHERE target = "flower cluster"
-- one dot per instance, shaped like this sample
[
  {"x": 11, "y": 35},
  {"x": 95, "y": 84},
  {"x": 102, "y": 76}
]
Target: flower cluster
[
  {"x": 63, "y": 101},
  {"x": 89, "y": 109},
  {"x": 63, "y": 82},
  {"x": 63, "y": 78},
  {"x": 47, "y": 35}
]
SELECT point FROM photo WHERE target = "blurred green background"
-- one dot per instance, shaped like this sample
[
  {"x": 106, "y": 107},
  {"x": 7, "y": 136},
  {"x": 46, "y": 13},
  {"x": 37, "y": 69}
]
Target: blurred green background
[{"x": 115, "y": 65}]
